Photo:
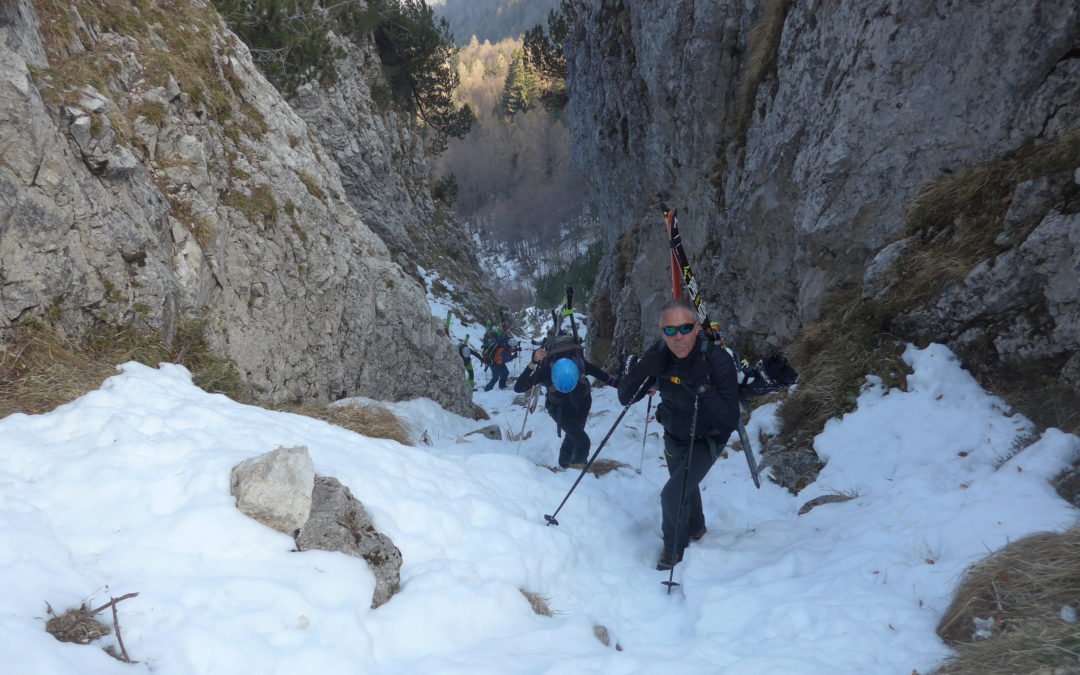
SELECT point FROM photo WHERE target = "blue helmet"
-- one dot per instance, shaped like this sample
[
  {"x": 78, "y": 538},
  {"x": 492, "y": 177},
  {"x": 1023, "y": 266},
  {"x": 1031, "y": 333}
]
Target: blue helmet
[{"x": 565, "y": 375}]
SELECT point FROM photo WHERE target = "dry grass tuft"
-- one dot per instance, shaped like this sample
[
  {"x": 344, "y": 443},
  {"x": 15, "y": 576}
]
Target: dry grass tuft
[
  {"x": 209, "y": 370},
  {"x": 598, "y": 468},
  {"x": 955, "y": 220},
  {"x": 40, "y": 368},
  {"x": 538, "y": 603},
  {"x": 1033, "y": 387},
  {"x": 373, "y": 421},
  {"x": 1023, "y": 588},
  {"x": 766, "y": 399},
  {"x": 605, "y": 466},
  {"x": 76, "y": 625},
  {"x": 833, "y": 358},
  {"x": 1019, "y": 444}
]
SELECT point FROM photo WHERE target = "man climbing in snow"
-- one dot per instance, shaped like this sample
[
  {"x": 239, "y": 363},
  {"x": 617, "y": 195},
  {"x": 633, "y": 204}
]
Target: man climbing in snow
[
  {"x": 699, "y": 408},
  {"x": 569, "y": 398},
  {"x": 501, "y": 352}
]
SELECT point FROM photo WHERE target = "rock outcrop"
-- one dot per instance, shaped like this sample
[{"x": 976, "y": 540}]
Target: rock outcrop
[
  {"x": 386, "y": 176},
  {"x": 280, "y": 490},
  {"x": 339, "y": 523},
  {"x": 275, "y": 488},
  {"x": 151, "y": 175},
  {"x": 793, "y": 136}
]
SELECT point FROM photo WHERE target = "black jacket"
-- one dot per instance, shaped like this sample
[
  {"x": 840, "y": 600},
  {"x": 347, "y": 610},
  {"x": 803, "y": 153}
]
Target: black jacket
[{"x": 711, "y": 373}]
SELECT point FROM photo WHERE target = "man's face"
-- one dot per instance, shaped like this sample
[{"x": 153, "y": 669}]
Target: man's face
[{"x": 680, "y": 343}]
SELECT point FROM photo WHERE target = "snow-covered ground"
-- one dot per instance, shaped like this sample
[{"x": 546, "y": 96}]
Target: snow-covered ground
[
  {"x": 533, "y": 324},
  {"x": 127, "y": 489}
]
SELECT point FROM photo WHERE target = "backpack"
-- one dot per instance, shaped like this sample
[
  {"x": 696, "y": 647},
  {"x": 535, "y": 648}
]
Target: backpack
[
  {"x": 487, "y": 347},
  {"x": 778, "y": 368},
  {"x": 503, "y": 350},
  {"x": 565, "y": 347},
  {"x": 766, "y": 377}
]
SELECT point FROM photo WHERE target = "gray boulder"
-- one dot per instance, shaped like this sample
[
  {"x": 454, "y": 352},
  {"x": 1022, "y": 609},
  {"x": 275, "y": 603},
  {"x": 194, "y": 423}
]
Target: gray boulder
[
  {"x": 339, "y": 523},
  {"x": 491, "y": 432},
  {"x": 275, "y": 488}
]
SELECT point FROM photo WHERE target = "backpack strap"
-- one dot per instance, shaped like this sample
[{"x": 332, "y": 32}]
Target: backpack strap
[{"x": 707, "y": 349}]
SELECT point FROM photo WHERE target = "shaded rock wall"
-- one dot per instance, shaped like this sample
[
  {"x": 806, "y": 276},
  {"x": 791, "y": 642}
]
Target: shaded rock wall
[{"x": 867, "y": 103}]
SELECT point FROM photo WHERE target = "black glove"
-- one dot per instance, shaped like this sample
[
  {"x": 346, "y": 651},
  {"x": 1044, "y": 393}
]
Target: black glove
[
  {"x": 628, "y": 362},
  {"x": 613, "y": 381},
  {"x": 652, "y": 364}
]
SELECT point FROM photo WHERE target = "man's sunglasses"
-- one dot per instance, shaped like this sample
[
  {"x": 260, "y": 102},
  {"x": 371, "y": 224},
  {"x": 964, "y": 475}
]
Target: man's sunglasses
[{"x": 685, "y": 329}]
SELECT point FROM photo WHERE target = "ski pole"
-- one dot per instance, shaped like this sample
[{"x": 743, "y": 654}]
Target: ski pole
[
  {"x": 648, "y": 413},
  {"x": 551, "y": 519},
  {"x": 682, "y": 498},
  {"x": 529, "y": 406},
  {"x": 534, "y": 399},
  {"x": 748, "y": 451}
]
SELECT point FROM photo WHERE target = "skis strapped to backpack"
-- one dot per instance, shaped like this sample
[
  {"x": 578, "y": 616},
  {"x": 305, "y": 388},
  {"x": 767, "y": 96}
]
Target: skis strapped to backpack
[
  {"x": 680, "y": 269},
  {"x": 567, "y": 346},
  {"x": 710, "y": 330},
  {"x": 546, "y": 342}
]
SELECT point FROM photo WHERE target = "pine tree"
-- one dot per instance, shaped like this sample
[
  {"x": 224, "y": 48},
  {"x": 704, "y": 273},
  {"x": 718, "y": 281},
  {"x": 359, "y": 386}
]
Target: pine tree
[
  {"x": 544, "y": 53},
  {"x": 521, "y": 89},
  {"x": 418, "y": 53}
]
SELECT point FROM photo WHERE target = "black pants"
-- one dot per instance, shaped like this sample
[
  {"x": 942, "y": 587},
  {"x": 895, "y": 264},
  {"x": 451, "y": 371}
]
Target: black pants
[
  {"x": 570, "y": 415},
  {"x": 693, "y": 517},
  {"x": 468, "y": 369}
]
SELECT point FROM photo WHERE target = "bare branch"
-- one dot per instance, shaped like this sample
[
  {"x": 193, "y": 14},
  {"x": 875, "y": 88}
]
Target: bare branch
[
  {"x": 116, "y": 627},
  {"x": 112, "y": 602}
]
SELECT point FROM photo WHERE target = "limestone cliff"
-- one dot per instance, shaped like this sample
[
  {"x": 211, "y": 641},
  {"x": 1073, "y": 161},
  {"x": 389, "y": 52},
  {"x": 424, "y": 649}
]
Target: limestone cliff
[
  {"x": 386, "y": 174},
  {"x": 795, "y": 137},
  {"x": 150, "y": 174}
]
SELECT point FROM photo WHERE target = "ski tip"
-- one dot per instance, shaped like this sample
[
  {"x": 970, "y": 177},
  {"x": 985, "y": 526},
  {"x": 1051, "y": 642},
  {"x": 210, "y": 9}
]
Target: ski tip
[{"x": 551, "y": 520}]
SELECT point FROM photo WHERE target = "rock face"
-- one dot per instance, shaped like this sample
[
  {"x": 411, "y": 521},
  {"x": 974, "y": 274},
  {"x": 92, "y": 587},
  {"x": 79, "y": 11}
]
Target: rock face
[
  {"x": 158, "y": 178},
  {"x": 1024, "y": 304},
  {"x": 385, "y": 173},
  {"x": 789, "y": 186},
  {"x": 339, "y": 523},
  {"x": 275, "y": 488}
]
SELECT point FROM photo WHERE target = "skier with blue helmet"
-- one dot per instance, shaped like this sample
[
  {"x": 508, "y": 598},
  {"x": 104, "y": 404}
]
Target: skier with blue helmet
[
  {"x": 569, "y": 398},
  {"x": 565, "y": 375}
]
